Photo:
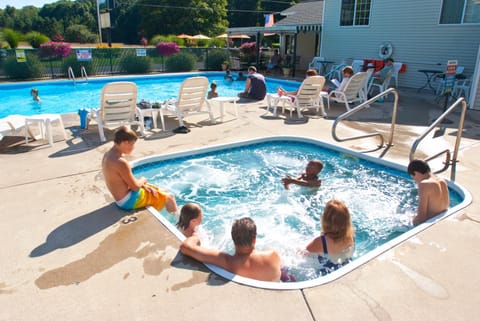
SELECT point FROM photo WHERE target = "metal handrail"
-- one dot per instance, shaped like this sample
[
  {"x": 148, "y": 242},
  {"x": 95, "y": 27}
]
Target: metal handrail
[
  {"x": 366, "y": 105},
  {"x": 83, "y": 73},
  {"x": 71, "y": 75},
  {"x": 450, "y": 160}
]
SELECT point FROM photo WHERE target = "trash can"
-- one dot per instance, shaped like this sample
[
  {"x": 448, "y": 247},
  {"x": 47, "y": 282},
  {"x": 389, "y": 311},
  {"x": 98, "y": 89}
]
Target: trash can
[{"x": 83, "y": 113}]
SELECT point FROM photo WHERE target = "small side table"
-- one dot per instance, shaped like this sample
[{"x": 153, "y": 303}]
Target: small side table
[
  {"x": 429, "y": 75},
  {"x": 222, "y": 101},
  {"x": 44, "y": 121}
]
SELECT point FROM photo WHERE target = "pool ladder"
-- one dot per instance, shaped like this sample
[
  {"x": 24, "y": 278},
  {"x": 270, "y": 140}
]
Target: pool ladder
[{"x": 83, "y": 72}]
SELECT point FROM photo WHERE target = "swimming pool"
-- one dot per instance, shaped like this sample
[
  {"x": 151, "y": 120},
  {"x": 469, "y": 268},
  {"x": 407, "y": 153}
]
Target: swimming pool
[
  {"x": 63, "y": 96},
  {"x": 243, "y": 179}
]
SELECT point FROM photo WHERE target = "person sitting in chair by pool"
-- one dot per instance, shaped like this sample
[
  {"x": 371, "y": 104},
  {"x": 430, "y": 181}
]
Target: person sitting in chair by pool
[
  {"x": 308, "y": 178},
  {"x": 283, "y": 92},
  {"x": 34, "y": 94},
  {"x": 347, "y": 73},
  {"x": 247, "y": 262},
  {"x": 255, "y": 86},
  {"x": 433, "y": 197},
  {"x": 387, "y": 69},
  {"x": 275, "y": 60},
  {"x": 130, "y": 192},
  {"x": 336, "y": 243},
  {"x": 191, "y": 216}
]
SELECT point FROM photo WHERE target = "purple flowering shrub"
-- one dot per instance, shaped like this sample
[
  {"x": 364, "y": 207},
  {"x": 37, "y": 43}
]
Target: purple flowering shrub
[
  {"x": 54, "y": 49},
  {"x": 248, "y": 48},
  {"x": 167, "y": 48}
]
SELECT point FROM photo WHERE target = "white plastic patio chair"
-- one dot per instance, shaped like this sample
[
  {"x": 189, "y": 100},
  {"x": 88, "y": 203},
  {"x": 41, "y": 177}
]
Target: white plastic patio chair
[
  {"x": 351, "y": 92},
  {"x": 316, "y": 64},
  {"x": 190, "y": 101},
  {"x": 396, "y": 69},
  {"x": 118, "y": 106},
  {"x": 307, "y": 97}
]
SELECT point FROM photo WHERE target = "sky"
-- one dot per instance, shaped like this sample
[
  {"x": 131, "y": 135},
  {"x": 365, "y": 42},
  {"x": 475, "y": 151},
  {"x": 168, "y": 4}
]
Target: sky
[{"x": 22, "y": 3}]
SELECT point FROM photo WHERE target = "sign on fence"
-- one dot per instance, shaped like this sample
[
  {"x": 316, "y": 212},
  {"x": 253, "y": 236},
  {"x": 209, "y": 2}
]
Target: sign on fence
[
  {"x": 20, "y": 54},
  {"x": 84, "y": 54},
  {"x": 141, "y": 52}
]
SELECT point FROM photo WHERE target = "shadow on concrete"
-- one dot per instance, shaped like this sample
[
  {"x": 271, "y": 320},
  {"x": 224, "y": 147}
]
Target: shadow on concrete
[
  {"x": 80, "y": 228},
  {"x": 187, "y": 263}
]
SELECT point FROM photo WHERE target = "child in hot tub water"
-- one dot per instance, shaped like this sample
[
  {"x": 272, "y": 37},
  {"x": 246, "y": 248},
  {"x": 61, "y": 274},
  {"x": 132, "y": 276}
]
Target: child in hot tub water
[
  {"x": 191, "y": 216},
  {"x": 308, "y": 178}
]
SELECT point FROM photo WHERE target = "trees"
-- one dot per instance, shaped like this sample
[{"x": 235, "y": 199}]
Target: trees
[{"x": 133, "y": 19}]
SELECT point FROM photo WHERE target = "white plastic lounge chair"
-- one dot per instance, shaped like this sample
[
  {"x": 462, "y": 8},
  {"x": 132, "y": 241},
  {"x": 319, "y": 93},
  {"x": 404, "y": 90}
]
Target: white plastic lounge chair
[
  {"x": 44, "y": 122},
  {"x": 190, "y": 101},
  {"x": 308, "y": 96},
  {"x": 12, "y": 125},
  {"x": 351, "y": 92},
  {"x": 118, "y": 106},
  {"x": 364, "y": 92}
]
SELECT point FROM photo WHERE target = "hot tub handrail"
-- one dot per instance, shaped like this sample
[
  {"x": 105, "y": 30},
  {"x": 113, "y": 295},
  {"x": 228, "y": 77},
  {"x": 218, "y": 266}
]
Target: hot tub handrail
[
  {"x": 450, "y": 160},
  {"x": 366, "y": 105}
]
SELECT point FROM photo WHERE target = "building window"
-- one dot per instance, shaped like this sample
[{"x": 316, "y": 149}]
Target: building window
[
  {"x": 460, "y": 11},
  {"x": 355, "y": 13}
]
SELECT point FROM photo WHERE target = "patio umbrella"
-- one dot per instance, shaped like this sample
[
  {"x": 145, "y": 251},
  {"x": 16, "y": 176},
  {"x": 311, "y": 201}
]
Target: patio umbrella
[
  {"x": 200, "y": 36},
  {"x": 240, "y": 36},
  {"x": 223, "y": 35},
  {"x": 184, "y": 36}
]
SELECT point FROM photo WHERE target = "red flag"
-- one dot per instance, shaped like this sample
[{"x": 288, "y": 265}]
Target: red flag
[{"x": 269, "y": 20}]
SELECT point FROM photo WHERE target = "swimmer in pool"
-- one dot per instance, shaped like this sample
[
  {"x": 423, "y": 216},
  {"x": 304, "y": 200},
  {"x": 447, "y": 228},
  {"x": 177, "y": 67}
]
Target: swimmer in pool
[
  {"x": 34, "y": 94},
  {"x": 130, "y": 192},
  {"x": 308, "y": 178},
  {"x": 191, "y": 216}
]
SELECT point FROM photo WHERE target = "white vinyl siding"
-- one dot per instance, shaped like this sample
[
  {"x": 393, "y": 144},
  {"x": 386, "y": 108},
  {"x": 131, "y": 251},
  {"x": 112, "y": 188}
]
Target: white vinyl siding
[{"x": 412, "y": 27}]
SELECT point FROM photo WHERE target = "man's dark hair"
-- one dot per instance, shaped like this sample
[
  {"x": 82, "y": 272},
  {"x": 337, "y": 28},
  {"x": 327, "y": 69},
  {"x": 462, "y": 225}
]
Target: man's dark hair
[
  {"x": 389, "y": 59},
  {"x": 418, "y": 165},
  {"x": 244, "y": 231},
  {"x": 124, "y": 133}
]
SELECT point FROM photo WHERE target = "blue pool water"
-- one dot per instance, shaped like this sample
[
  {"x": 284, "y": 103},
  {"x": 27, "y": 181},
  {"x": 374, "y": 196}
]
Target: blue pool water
[
  {"x": 62, "y": 96},
  {"x": 244, "y": 180}
]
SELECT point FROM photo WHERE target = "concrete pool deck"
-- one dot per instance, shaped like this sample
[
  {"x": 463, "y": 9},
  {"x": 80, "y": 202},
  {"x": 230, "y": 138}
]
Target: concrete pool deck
[{"x": 68, "y": 253}]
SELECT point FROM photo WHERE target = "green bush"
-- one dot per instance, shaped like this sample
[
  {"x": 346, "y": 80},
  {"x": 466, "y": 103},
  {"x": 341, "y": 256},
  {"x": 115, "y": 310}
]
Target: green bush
[
  {"x": 181, "y": 62},
  {"x": 132, "y": 64},
  {"x": 11, "y": 37},
  {"x": 35, "y": 39},
  {"x": 80, "y": 33},
  {"x": 32, "y": 68},
  {"x": 161, "y": 38},
  {"x": 71, "y": 61},
  {"x": 216, "y": 57}
]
